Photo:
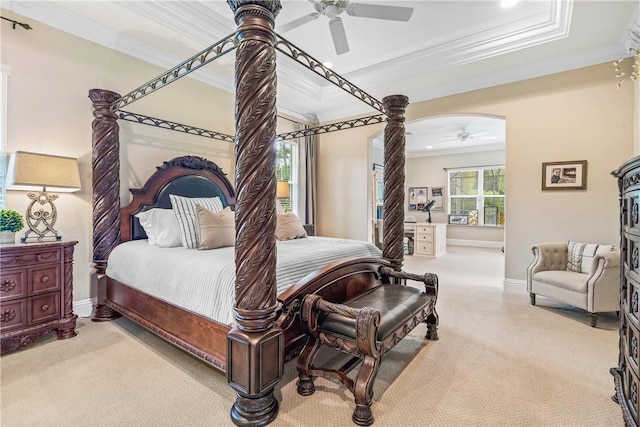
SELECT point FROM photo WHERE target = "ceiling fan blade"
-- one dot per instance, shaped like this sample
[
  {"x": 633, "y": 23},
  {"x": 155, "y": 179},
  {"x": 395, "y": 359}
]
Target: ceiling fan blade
[
  {"x": 338, "y": 35},
  {"x": 297, "y": 22},
  {"x": 377, "y": 11}
]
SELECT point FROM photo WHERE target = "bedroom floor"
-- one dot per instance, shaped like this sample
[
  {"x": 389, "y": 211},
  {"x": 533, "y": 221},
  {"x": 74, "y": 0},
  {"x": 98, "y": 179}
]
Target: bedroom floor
[{"x": 499, "y": 362}]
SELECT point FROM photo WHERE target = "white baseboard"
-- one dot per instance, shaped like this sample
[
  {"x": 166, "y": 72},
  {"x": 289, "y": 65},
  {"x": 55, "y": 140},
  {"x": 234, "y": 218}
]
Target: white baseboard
[
  {"x": 475, "y": 243},
  {"x": 516, "y": 286},
  {"x": 83, "y": 308}
]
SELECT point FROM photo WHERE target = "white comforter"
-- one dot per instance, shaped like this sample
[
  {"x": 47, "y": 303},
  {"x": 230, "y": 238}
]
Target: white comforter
[{"x": 204, "y": 281}]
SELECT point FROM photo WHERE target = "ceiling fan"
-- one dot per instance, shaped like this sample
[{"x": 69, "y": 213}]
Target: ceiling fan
[
  {"x": 465, "y": 135},
  {"x": 332, "y": 8}
]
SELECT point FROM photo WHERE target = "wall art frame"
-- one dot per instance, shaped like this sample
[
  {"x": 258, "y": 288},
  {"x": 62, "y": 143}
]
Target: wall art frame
[{"x": 567, "y": 175}]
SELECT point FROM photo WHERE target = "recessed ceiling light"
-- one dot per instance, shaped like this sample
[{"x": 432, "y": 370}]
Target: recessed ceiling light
[
  {"x": 509, "y": 3},
  {"x": 429, "y": 147},
  {"x": 327, "y": 64}
]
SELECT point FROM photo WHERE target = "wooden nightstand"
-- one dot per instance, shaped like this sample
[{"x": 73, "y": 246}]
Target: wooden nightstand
[{"x": 36, "y": 293}]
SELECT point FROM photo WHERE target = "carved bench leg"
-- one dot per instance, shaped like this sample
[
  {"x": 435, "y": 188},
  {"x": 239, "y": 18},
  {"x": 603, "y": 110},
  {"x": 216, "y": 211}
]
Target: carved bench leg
[
  {"x": 363, "y": 390},
  {"x": 305, "y": 384},
  {"x": 432, "y": 322}
]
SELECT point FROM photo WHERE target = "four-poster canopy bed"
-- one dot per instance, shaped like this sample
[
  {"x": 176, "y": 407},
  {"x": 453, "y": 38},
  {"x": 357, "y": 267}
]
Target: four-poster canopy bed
[{"x": 266, "y": 329}]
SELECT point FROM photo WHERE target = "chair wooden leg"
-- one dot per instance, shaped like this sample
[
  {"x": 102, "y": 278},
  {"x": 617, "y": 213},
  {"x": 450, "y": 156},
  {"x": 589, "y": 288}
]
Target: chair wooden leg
[
  {"x": 594, "y": 319},
  {"x": 305, "y": 386},
  {"x": 532, "y": 297},
  {"x": 363, "y": 390}
]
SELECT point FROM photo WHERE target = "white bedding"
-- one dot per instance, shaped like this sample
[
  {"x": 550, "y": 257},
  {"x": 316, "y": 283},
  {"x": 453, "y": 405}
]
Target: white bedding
[{"x": 188, "y": 277}]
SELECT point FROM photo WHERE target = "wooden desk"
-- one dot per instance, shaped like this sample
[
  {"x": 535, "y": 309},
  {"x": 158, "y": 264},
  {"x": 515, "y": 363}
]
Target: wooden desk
[{"x": 430, "y": 239}]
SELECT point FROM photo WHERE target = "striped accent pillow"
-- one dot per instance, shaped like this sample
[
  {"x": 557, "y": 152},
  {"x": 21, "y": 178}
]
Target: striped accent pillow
[
  {"x": 580, "y": 256},
  {"x": 185, "y": 211}
]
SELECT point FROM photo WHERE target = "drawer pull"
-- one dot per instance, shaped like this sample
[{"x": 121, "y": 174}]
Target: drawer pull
[
  {"x": 45, "y": 279},
  {"x": 8, "y": 285},
  {"x": 38, "y": 257},
  {"x": 45, "y": 307},
  {"x": 7, "y": 315}
]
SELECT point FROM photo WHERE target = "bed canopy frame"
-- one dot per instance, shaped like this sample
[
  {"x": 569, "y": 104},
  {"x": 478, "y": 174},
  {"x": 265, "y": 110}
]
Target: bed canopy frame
[{"x": 255, "y": 361}]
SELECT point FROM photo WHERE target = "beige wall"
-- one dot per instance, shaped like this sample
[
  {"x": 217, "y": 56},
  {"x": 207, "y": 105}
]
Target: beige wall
[
  {"x": 430, "y": 171},
  {"x": 577, "y": 115},
  {"x": 49, "y": 111}
]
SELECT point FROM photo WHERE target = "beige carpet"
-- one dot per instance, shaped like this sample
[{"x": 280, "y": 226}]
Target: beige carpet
[{"x": 499, "y": 362}]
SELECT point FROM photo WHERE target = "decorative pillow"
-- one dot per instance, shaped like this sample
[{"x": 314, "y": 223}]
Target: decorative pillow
[
  {"x": 580, "y": 256},
  {"x": 289, "y": 227},
  {"x": 185, "y": 210},
  {"x": 161, "y": 227},
  {"x": 217, "y": 230}
]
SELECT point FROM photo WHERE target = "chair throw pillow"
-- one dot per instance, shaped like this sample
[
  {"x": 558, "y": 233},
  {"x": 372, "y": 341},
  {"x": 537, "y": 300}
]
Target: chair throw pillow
[
  {"x": 217, "y": 230},
  {"x": 161, "y": 227},
  {"x": 185, "y": 211},
  {"x": 580, "y": 256},
  {"x": 289, "y": 227}
]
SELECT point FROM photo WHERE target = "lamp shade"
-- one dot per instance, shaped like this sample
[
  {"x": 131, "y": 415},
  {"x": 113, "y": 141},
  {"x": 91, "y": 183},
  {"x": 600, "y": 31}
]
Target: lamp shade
[
  {"x": 282, "y": 190},
  {"x": 34, "y": 171}
]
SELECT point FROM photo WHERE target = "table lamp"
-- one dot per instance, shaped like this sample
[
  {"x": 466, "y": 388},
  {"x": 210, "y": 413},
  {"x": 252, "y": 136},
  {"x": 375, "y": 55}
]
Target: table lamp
[
  {"x": 41, "y": 174},
  {"x": 282, "y": 190}
]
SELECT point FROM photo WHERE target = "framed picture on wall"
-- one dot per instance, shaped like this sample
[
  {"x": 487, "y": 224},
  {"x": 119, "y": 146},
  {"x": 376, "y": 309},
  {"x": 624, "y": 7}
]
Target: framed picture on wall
[
  {"x": 437, "y": 194},
  {"x": 418, "y": 198},
  {"x": 570, "y": 175}
]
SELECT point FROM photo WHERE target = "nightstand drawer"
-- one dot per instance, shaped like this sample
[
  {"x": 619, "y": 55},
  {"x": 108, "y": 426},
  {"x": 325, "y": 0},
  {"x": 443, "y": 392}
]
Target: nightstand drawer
[
  {"x": 44, "y": 279},
  {"x": 30, "y": 258},
  {"x": 13, "y": 314},
  {"x": 44, "y": 307},
  {"x": 12, "y": 284}
]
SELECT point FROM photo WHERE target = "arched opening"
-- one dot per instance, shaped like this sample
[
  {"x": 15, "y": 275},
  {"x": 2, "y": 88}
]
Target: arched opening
[{"x": 458, "y": 162}]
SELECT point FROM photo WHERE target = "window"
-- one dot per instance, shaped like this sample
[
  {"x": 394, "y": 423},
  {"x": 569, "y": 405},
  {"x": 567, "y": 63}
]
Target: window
[
  {"x": 4, "y": 74},
  {"x": 287, "y": 170},
  {"x": 478, "y": 193}
]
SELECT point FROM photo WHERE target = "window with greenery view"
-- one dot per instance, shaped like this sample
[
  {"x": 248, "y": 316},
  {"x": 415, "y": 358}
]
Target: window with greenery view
[
  {"x": 287, "y": 170},
  {"x": 478, "y": 193}
]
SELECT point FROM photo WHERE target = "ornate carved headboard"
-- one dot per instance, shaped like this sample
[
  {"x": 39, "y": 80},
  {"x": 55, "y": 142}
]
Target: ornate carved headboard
[{"x": 188, "y": 176}]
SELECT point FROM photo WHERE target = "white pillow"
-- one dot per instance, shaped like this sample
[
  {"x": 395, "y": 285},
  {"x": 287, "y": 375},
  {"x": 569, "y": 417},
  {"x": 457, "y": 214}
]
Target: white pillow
[
  {"x": 580, "y": 256},
  {"x": 185, "y": 210},
  {"x": 161, "y": 227}
]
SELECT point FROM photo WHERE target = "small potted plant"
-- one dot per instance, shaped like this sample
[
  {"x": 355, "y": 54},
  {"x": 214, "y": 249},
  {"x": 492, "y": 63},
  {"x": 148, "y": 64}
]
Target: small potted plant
[{"x": 10, "y": 222}]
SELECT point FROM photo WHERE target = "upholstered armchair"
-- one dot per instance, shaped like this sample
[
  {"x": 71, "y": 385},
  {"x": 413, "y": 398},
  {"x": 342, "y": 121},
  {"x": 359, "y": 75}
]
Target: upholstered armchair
[{"x": 586, "y": 276}]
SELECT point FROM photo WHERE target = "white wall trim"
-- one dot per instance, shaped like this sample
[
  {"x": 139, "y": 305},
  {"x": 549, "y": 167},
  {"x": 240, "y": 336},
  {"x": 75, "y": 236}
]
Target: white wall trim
[
  {"x": 514, "y": 285},
  {"x": 83, "y": 308},
  {"x": 475, "y": 243}
]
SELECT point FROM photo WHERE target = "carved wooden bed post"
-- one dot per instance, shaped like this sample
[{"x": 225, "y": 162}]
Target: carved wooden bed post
[
  {"x": 106, "y": 190},
  {"x": 394, "y": 159},
  {"x": 255, "y": 346}
]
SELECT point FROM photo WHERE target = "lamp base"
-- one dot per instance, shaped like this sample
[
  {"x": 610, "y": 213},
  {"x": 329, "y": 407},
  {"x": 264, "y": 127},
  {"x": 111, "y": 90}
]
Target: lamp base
[{"x": 41, "y": 220}]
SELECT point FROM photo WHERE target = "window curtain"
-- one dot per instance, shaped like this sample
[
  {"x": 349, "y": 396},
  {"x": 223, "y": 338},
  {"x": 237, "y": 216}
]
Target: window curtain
[{"x": 308, "y": 176}]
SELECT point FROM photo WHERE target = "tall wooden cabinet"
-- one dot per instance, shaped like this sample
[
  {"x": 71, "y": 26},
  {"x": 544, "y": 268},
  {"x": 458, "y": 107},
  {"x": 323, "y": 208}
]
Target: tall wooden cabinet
[
  {"x": 36, "y": 293},
  {"x": 627, "y": 374}
]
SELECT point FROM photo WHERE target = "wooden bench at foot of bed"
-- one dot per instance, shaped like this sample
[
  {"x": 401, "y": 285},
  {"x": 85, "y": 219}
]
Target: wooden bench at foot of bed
[{"x": 366, "y": 326}]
